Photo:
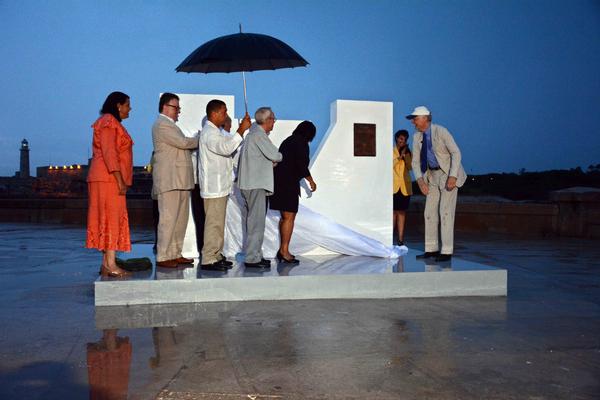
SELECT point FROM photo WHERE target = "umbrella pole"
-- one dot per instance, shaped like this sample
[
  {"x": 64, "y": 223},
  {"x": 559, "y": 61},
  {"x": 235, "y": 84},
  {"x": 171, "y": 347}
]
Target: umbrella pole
[{"x": 245, "y": 96}]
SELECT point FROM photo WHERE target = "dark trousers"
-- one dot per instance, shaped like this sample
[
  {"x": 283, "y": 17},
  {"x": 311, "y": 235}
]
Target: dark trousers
[{"x": 198, "y": 215}]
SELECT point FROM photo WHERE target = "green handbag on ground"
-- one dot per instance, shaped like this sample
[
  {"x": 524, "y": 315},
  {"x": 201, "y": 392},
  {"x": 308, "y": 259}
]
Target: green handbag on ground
[{"x": 135, "y": 264}]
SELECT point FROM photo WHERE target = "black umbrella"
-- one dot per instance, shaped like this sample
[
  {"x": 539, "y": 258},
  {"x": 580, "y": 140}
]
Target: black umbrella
[{"x": 242, "y": 52}]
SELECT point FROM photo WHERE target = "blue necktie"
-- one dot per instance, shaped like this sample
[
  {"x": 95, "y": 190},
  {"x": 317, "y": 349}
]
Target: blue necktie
[{"x": 424, "y": 154}]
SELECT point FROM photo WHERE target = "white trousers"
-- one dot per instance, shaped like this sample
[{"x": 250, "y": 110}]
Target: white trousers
[{"x": 440, "y": 207}]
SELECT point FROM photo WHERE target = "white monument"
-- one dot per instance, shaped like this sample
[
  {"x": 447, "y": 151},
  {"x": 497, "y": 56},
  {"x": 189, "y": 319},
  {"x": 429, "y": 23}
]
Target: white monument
[{"x": 353, "y": 170}]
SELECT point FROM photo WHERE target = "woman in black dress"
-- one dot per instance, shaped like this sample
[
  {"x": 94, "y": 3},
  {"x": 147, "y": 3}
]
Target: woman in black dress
[{"x": 288, "y": 174}]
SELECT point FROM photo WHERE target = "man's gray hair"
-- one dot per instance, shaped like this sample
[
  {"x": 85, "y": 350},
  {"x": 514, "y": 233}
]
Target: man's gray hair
[{"x": 262, "y": 114}]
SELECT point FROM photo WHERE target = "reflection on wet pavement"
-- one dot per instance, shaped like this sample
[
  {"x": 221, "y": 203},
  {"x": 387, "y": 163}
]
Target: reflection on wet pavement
[
  {"x": 539, "y": 342},
  {"x": 108, "y": 363}
]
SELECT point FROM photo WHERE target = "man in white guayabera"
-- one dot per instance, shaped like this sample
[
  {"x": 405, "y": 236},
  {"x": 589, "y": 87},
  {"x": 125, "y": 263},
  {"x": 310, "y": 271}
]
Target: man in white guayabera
[{"x": 215, "y": 171}]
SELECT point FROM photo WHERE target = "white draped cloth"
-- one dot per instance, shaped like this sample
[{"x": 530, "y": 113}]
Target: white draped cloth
[{"x": 313, "y": 234}]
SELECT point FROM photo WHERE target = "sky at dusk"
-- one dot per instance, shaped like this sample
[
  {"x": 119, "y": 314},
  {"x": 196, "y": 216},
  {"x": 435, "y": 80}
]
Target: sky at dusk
[{"x": 516, "y": 82}]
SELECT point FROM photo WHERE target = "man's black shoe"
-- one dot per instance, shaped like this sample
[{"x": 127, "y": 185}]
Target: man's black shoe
[
  {"x": 227, "y": 263},
  {"x": 429, "y": 254},
  {"x": 261, "y": 264},
  {"x": 443, "y": 257},
  {"x": 216, "y": 266}
]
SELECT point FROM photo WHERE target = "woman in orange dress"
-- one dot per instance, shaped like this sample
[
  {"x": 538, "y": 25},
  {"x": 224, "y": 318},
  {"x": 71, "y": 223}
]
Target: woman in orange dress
[{"x": 110, "y": 175}]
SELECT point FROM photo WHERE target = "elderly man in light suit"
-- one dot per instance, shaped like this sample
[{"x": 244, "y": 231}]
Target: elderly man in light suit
[
  {"x": 173, "y": 180},
  {"x": 437, "y": 167},
  {"x": 255, "y": 179}
]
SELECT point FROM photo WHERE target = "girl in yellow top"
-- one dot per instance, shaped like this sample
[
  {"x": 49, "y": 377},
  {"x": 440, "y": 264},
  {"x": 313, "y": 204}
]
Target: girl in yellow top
[{"x": 402, "y": 182}]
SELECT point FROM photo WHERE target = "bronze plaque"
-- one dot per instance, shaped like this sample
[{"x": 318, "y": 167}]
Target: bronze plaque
[{"x": 364, "y": 140}]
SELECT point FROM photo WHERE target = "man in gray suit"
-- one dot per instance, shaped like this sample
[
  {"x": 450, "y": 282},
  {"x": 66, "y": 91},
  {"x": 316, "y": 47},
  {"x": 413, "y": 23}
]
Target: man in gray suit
[
  {"x": 173, "y": 179},
  {"x": 255, "y": 179},
  {"x": 437, "y": 167}
]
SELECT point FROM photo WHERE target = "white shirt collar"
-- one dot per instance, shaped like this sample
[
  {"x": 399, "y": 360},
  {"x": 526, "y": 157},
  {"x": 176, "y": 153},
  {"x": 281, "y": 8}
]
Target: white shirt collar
[{"x": 167, "y": 117}]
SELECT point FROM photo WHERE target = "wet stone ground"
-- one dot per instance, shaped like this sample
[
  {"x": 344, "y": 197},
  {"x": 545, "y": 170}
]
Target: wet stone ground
[{"x": 540, "y": 342}]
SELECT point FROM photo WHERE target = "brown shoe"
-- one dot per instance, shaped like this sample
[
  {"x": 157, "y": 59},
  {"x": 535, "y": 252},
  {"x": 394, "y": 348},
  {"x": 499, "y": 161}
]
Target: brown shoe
[
  {"x": 120, "y": 273},
  {"x": 167, "y": 264},
  {"x": 183, "y": 260}
]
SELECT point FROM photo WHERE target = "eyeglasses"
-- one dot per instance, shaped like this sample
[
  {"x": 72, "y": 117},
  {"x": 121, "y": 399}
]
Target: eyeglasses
[
  {"x": 175, "y": 107},
  {"x": 273, "y": 118}
]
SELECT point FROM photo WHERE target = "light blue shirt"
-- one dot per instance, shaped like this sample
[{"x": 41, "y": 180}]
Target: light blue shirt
[{"x": 431, "y": 160}]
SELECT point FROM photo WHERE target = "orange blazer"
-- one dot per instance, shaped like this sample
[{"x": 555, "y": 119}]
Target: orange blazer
[{"x": 112, "y": 151}]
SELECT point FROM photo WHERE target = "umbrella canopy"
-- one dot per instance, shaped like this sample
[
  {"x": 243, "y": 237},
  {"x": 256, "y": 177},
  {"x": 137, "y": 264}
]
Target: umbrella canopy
[{"x": 242, "y": 52}]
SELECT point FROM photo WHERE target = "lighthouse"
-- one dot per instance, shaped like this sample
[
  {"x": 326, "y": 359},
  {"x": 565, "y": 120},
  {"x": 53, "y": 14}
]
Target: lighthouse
[{"x": 24, "y": 168}]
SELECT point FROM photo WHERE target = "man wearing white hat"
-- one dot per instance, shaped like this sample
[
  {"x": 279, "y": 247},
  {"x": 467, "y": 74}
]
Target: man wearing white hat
[{"x": 437, "y": 167}]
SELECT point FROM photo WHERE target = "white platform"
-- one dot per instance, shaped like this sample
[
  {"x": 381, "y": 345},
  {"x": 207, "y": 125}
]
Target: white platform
[{"x": 322, "y": 277}]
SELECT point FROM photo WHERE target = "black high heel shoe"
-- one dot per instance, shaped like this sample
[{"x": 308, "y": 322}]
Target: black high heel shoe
[{"x": 284, "y": 260}]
